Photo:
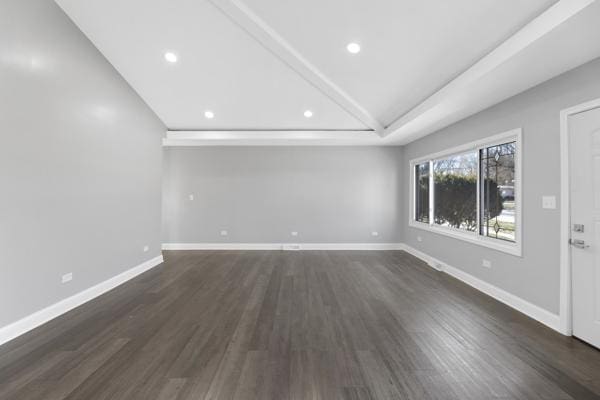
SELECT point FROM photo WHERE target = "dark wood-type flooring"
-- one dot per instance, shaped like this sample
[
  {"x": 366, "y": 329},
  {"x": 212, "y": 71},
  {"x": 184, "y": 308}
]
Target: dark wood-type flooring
[{"x": 351, "y": 325}]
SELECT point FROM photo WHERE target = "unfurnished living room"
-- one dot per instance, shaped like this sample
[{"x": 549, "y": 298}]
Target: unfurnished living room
[{"x": 299, "y": 200}]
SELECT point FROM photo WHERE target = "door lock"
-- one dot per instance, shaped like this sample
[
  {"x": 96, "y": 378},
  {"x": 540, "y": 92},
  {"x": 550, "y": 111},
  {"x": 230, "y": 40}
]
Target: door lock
[
  {"x": 580, "y": 244},
  {"x": 578, "y": 228}
]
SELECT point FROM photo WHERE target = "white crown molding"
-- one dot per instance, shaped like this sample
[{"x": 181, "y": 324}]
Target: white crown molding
[
  {"x": 282, "y": 246},
  {"x": 432, "y": 108},
  {"x": 256, "y": 27},
  {"x": 40, "y": 317},
  {"x": 272, "y": 138},
  {"x": 531, "y": 310}
]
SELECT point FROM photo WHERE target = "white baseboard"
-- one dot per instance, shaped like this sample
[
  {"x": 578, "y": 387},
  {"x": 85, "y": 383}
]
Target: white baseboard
[
  {"x": 282, "y": 246},
  {"x": 221, "y": 246},
  {"x": 38, "y": 318},
  {"x": 432, "y": 262},
  {"x": 531, "y": 310}
]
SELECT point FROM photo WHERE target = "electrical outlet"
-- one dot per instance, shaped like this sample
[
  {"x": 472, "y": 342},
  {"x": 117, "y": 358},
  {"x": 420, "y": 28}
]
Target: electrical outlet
[
  {"x": 146, "y": 248},
  {"x": 374, "y": 233},
  {"x": 419, "y": 239},
  {"x": 294, "y": 233},
  {"x": 191, "y": 197},
  {"x": 224, "y": 233},
  {"x": 67, "y": 277},
  {"x": 486, "y": 263}
]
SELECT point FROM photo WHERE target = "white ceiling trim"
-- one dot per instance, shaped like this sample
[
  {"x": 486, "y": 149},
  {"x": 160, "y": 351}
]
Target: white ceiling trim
[
  {"x": 242, "y": 15},
  {"x": 421, "y": 120},
  {"x": 271, "y": 138},
  {"x": 536, "y": 29}
]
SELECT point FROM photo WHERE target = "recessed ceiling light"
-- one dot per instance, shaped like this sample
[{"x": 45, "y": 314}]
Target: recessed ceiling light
[
  {"x": 308, "y": 113},
  {"x": 209, "y": 114},
  {"x": 171, "y": 57},
  {"x": 353, "y": 48}
]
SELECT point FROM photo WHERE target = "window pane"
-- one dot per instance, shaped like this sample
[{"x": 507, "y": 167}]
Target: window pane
[
  {"x": 422, "y": 192},
  {"x": 498, "y": 191},
  {"x": 455, "y": 191}
]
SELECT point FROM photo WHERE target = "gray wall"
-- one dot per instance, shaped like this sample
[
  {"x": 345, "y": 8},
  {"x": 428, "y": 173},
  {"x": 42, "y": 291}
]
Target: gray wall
[
  {"x": 80, "y": 163},
  {"x": 535, "y": 276},
  {"x": 80, "y": 167},
  {"x": 262, "y": 194}
]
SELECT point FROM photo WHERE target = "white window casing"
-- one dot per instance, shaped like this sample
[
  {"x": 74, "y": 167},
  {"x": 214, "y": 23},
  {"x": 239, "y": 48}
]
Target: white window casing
[{"x": 514, "y": 248}]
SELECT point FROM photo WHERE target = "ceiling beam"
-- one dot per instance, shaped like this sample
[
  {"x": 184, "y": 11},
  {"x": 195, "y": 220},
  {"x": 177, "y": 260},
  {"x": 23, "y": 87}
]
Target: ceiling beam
[
  {"x": 243, "y": 16},
  {"x": 271, "y": 138},
  {"x": 405, "y": 126}
]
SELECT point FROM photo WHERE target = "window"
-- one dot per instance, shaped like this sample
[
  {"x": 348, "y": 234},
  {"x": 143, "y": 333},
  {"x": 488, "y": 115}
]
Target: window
[
  {"x": 455, "y": 191},
  {"x": 471, "y": 192},
  {"x": 422, "y": 192},
  {"x": 498, "y": 191}
]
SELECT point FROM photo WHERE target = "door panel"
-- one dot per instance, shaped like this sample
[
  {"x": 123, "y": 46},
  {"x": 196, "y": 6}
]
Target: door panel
[{"x": 584, "y": 138}]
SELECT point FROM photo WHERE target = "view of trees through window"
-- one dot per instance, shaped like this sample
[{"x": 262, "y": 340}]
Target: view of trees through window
[
  {"x": 422, "y": 192},
  {"x": 455, "y": 190}
]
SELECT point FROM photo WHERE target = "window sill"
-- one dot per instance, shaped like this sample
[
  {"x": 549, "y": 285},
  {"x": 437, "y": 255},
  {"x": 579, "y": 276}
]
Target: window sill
[{"x": 512, "y": 249}]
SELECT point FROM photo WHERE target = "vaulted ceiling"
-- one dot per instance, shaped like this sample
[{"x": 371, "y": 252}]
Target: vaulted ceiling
[{"x": 259, "y": 65}]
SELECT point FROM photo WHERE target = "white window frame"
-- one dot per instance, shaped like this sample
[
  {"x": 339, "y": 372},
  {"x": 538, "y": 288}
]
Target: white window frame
[{"x": 472, "y": 237}]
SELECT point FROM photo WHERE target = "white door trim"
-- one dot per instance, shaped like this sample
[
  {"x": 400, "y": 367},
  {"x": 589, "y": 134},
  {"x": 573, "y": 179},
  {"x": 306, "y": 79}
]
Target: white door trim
[{"x": 566, "y": 311}]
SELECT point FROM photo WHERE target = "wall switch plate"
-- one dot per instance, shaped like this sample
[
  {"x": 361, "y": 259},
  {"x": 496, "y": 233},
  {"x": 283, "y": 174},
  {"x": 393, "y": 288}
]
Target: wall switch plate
[
  {"x": 146, "y": 248},
  {"x": 549, "y": 202},
  {"x": 294, "y": 233},
  {"x": 486, "y": 263},
  {"x": 67, "y": 277},
  {"x": 419, "y": 239},
  {"x": 374, "y": 233},
  {"x": 224, "y": 233},
  {"x": 191, "y": 197}
]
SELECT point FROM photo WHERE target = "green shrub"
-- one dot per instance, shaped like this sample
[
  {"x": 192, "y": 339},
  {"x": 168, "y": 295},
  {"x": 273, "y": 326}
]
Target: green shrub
[{"x": 456, "y": 200}]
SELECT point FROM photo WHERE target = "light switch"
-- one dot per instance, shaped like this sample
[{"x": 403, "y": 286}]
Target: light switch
[
  {"x": 549, "y": 202},
  {"x": 191, "y": 197},
  {"x": 67, "y": 277}
]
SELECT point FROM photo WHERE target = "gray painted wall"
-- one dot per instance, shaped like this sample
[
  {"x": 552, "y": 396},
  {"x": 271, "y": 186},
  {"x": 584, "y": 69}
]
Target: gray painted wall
[
  {"x": 80, "y": 167},
  {"x": 80, "y": 163},
  {"x": 336, "y": 195},
  {"x": 262, "y": 194},
  {"x": 535, "y": 276}
]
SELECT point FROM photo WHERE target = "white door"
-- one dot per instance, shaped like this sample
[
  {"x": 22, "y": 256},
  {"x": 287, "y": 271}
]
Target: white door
[{"x": 584, "y": 149}]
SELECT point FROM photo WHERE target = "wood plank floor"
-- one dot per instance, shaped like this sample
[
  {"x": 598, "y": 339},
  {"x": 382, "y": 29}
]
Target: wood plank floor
[{"x": 346, "y": 325}]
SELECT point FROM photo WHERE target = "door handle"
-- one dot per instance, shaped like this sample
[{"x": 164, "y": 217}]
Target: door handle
[{"x": 580, "y": 244}]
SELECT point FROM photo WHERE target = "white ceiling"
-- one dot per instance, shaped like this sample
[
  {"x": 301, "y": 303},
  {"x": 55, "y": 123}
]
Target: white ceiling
[
  {"x": 567, "y": 46},
  {"x": 221, "y": 68},
  {"x": 259, "y": 64},
  {"x": 410, "y": 48}
]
